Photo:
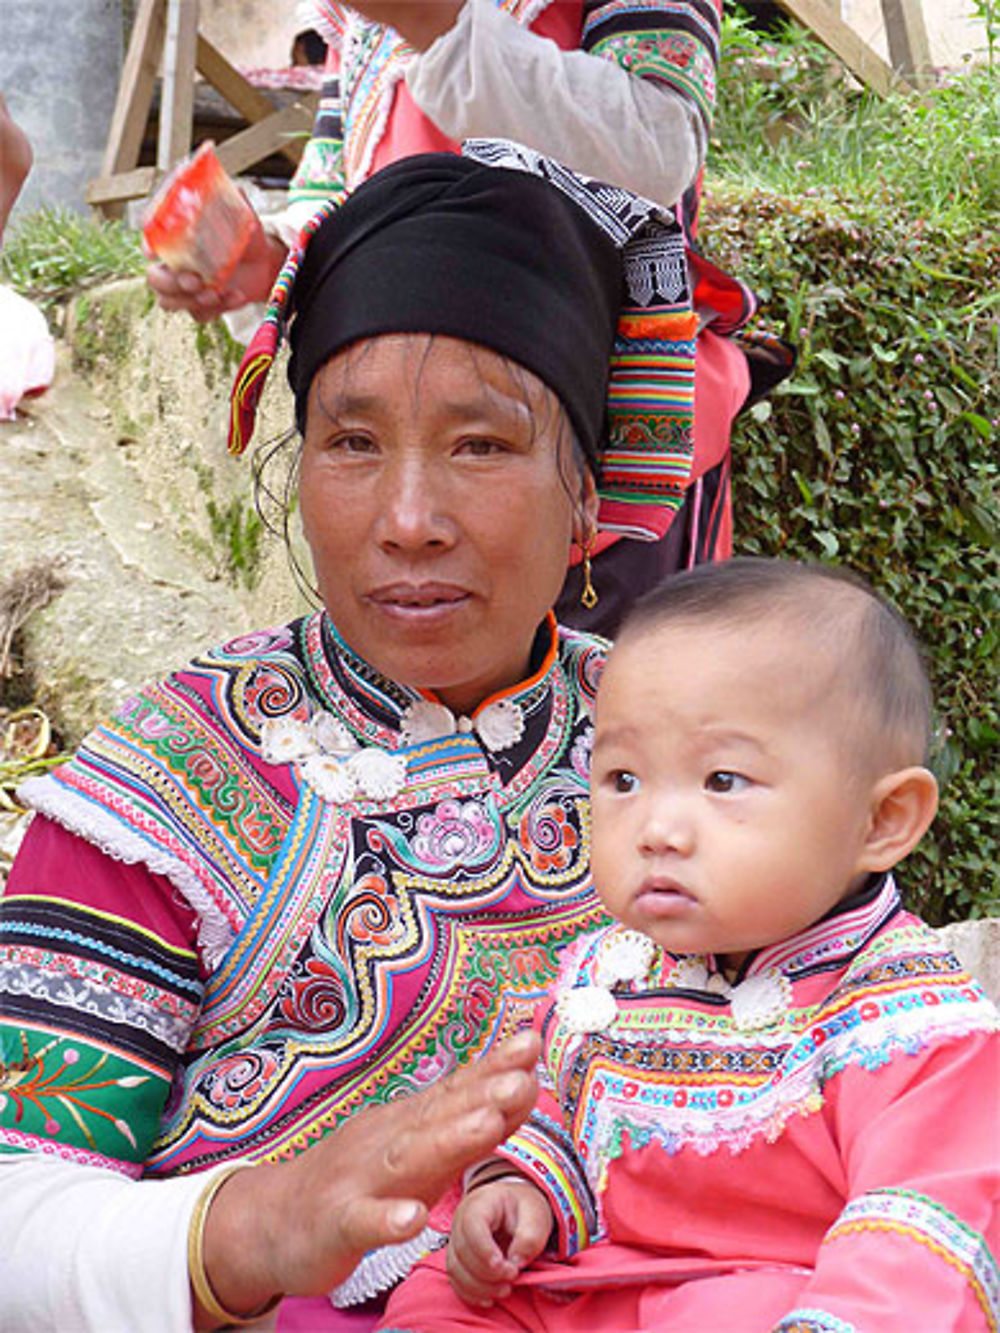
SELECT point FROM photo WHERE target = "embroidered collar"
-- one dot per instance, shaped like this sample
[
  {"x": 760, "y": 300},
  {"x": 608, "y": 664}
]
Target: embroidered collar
[
  {"x": 629, "y": 957},
  {"x": 834, "y": 940},
  {"x": 355, "y": 746},
  {"x": 760, "y": 996}
]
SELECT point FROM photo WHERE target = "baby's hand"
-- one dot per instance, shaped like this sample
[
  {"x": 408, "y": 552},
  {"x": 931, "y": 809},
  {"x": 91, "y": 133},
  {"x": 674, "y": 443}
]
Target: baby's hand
[{"x": 497, "y": 1230}]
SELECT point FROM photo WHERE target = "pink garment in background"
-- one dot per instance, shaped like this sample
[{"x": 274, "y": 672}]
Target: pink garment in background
[{"x": 408, "y": 131}]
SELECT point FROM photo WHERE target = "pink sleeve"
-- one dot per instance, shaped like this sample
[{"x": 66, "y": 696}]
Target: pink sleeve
[
  {"x": 100, "y": 986},
  {"x": 914, "y": 1248},
  {"x": 54, "y": 861},
  {"x": 543, "y": 1149}
]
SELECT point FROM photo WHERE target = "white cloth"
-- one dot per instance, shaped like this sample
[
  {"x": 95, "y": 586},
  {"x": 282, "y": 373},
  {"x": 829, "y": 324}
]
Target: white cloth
[
  {"x": 83, "y": 1250},
  {"x": 27, "y": 352},
  {"x": 490, "y": 77}
]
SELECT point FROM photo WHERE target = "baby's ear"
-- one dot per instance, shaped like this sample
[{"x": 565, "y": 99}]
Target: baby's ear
[{"x": 902, "y": 806}]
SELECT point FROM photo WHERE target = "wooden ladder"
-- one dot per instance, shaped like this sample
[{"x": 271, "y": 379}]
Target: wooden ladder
[
  {"x": 909, "y": 49},
  {"x": 166, "y": 32}
]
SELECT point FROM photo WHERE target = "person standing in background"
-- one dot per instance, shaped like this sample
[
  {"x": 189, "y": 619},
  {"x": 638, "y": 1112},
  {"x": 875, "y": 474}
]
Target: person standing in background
[{"x": 619, "y": 92}]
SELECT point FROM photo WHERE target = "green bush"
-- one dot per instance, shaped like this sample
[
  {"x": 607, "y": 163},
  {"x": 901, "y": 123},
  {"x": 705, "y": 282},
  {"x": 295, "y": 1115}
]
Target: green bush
[{"x": 881, "y": 452}]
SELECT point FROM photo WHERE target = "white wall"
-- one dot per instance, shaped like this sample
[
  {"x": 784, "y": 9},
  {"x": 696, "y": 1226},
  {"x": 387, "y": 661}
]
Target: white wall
[
  {"x": 952, "y": 31},
  {"x": 251, "y": 32}
]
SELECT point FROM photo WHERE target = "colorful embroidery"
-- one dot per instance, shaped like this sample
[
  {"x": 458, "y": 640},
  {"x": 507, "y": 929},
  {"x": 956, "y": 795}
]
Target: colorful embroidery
[
  {"x": 319, "y": 175},
  {"x": 93, "y": 1021},
  {"x": 545, "y": 1150},
  {"x": 813, "y": 1321},
  {"x": 369, "y": 945},
  {"x": 925, "y": 1222},
  {"x": 679, "y": 1068}
]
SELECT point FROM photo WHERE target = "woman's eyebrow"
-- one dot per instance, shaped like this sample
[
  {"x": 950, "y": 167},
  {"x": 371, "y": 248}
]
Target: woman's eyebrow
[
  {"x": 344, "y": 401},
  {"x": 485, "y": 407}
]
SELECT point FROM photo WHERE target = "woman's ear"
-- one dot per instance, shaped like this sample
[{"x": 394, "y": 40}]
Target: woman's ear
[
  {"x": 585, "y": 519},
  {"x": 903, "y": 805}
]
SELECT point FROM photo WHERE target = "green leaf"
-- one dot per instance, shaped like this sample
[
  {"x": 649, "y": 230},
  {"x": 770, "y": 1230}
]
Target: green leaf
[
  {"x": 830, "y": 358},
  {"x": 979, "y": 424},
  {"x": 828, "y": 543}
]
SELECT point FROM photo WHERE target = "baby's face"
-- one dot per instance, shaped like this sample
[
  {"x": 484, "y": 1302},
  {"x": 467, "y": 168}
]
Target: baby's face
[{"x": 726, "y": 814}]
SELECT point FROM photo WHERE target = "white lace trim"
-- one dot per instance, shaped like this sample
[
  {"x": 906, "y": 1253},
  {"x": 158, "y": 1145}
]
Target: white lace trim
[
  {"x": 800, "y": 1091},
  {"x": 381, "y": 1269},
  {"x": 117, "y": 840},
  {"x": 357, "y": 169}
]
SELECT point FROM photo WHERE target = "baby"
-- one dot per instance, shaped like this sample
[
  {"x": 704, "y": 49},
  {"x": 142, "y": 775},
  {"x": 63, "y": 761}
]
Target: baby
[{"x": 770, "y": 1097}]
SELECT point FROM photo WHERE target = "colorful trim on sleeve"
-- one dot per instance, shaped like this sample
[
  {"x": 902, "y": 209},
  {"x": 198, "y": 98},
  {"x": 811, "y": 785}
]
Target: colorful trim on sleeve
[
  {"x": 924, "y": 1221},
  {"x": 320, "y": 173},
  {"x": 544, "y": 1151},
  {"x": 675, "y": 44},
  {"x": 95, "y": 1015}
]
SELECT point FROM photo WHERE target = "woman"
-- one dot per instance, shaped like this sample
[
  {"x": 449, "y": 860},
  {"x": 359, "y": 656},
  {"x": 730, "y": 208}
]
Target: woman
[{"x": 323, "y": 865}]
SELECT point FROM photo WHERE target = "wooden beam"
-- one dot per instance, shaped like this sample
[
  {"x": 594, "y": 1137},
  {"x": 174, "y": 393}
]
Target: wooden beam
[
  {"x": 823, "y": 21},
  {"x": 270, "y": 136},
  {"x": 135, "y": 92},
  {"x": 177, "y": 99},
  {"x": 252, "y": 105},
  {"x": 909, "y": 46},
  {"x": 116, "y": 189},
  {"x": 226, "y": 79}
]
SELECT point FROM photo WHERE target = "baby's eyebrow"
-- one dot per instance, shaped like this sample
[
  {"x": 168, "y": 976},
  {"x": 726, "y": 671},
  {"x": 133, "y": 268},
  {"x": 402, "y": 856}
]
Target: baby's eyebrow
[
  {"x": 712, "y": 743},
  {"x": 605, "y": 736}
]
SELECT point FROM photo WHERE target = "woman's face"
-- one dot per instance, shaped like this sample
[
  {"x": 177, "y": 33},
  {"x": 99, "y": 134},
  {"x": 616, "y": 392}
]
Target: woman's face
[{"x": 439, "y": 499}]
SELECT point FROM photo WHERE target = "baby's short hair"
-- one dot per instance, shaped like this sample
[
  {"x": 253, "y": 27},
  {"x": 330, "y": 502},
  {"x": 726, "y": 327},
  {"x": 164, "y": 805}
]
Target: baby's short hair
[{"x": 877, "y": 652}]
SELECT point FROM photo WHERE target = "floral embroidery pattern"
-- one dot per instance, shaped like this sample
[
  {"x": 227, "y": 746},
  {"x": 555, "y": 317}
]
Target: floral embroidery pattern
[
  {"x": 550, "y": 837},
  {"x": 238, "y": 1080},
  {"x": 25, "y": 1083},
  {"x": 452, "y": 833},
  {"x": 314, "y": 998}
]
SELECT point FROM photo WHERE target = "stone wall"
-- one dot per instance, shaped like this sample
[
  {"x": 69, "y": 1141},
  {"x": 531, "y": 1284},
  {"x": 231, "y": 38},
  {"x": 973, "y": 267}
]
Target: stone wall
[
  {"x": 120, "y": 473},
  {"x": 60, "y": 65}
]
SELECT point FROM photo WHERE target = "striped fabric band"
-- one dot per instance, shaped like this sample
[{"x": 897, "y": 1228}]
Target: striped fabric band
[{"x": 933, "y": 1227}]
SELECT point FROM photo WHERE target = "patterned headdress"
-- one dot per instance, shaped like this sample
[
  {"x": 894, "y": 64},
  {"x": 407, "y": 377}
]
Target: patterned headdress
[{"x": 590, "y": 293}]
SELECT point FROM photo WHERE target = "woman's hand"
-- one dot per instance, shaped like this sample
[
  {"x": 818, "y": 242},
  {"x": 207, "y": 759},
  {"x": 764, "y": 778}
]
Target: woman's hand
[
  {"x": 497, "y": 1230},
  {"x": 301, "y": 1227},
  {"x": 251, "y": 280}
]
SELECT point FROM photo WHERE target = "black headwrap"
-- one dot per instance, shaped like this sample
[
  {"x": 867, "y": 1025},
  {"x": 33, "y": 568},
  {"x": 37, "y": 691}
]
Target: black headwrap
[{"x": 440, "y": 244}]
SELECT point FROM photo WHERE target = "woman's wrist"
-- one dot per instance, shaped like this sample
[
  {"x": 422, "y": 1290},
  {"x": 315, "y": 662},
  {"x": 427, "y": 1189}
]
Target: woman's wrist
[{"x": 231, "y": 1281}]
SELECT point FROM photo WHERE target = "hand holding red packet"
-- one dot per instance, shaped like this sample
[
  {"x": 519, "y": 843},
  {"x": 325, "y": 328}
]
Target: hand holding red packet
[{"x": 199, "y": 220}]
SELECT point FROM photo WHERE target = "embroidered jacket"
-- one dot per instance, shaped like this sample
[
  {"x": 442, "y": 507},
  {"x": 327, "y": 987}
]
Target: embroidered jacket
[
  {"x": 308, "y": 908},
  {"x": 832, "y": 1114}
]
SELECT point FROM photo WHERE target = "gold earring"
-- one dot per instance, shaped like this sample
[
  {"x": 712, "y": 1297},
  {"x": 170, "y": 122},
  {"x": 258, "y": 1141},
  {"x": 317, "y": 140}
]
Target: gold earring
[{"x": 588, "y": 597}]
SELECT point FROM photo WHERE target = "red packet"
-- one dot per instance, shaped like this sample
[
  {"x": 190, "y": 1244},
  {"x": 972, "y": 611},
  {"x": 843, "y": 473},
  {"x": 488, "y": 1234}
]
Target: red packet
[{"x": 198, "y": 219}]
